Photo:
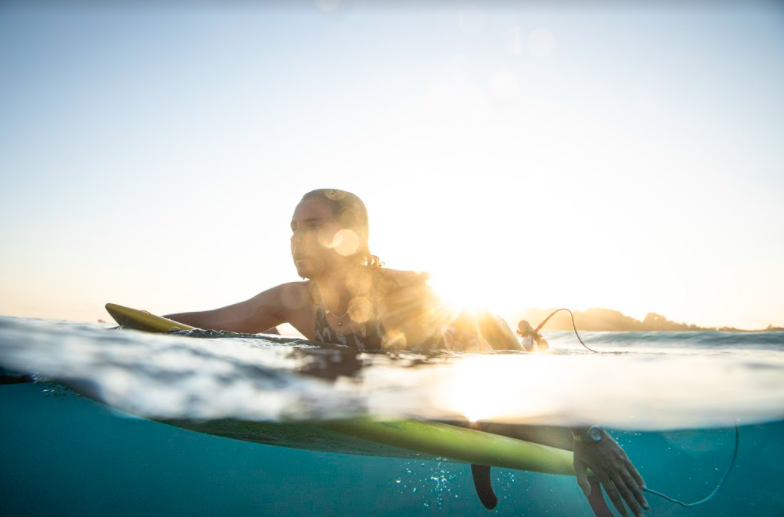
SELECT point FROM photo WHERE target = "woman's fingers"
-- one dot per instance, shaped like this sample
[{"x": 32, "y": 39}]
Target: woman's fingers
[
  {"x": 626, "y": 494},
  {"x": 636, "y": 475},
  {"x": 621, "y": 481},
  {"x": 613, "y": 494},
  {"x": 634, "y": 486},
  {"x": 582, "y": 477}
]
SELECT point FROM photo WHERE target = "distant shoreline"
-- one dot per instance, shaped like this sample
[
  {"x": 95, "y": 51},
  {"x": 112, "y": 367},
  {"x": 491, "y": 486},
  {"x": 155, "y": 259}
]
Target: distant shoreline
[{"x": 608, "y": 320}]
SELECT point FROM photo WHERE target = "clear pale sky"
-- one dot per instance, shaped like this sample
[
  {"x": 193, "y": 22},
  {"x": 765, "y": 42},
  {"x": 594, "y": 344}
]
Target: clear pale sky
[{"x": 628, "y": 158}]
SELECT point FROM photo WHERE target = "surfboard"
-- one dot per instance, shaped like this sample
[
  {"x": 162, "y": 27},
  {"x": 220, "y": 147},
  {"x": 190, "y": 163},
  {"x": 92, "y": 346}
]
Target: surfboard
[
  {"x": 142, "y": 320},
  {"x": 363, "y": 436}
]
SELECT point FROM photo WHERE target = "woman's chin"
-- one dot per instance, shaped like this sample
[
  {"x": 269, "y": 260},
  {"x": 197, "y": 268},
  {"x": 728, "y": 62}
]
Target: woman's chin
[{"x": 303, "y": 270}]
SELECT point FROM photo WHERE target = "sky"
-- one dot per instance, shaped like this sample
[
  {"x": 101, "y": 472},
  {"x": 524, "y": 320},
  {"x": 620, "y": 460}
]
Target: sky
[{"x": 524, "y": 154}]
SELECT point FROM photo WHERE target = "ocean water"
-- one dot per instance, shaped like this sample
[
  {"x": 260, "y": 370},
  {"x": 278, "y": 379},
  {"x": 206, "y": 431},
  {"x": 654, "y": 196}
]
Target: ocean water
[{"x": 82, "y": 440}]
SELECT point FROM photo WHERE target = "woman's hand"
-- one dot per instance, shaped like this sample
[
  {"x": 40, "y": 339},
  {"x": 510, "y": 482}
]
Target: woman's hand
[{"x": 615, "y": 472}]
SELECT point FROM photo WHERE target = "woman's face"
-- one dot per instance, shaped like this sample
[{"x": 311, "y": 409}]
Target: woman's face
[{"x": 314, "y": 229}]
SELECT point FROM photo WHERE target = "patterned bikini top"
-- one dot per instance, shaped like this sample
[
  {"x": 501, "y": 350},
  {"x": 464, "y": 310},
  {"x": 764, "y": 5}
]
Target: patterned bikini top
[{"x": 369, "y": 337}]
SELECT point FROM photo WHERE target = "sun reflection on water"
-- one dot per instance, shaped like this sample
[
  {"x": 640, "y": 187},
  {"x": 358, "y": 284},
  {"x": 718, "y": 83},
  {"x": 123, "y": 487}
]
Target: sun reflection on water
[{"x": 472, "y": 389}]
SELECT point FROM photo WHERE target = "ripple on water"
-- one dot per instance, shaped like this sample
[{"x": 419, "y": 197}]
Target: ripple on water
[{"x": 641, "y": 381}]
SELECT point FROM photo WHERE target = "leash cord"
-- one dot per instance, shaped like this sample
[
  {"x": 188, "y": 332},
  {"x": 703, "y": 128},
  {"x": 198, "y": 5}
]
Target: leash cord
[
  {"x": 574, "y": 326},
  {"x": 649, "y": 490},
  {"x": 715, "y": 490}
]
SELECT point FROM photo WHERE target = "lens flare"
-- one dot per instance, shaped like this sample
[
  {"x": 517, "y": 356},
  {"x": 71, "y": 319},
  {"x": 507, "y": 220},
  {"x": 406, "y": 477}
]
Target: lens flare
[
  {"x": 361, "y": 309},
  {"x": 345, "y": 242},
  {"x": 541, "y": 43}
]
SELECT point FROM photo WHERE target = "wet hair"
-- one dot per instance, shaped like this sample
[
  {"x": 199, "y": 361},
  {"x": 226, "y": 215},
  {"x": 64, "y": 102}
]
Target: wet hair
[{"x": 350, "y": 212}]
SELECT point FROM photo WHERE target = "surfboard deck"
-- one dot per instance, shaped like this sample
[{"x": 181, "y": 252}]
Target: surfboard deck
[{"x": 418, "y": 439}]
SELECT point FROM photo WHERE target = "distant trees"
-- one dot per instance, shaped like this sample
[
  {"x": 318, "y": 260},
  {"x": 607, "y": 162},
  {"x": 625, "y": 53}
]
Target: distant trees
[
  {"x": 609, "y": 320},
  {"x": 654, "y": 322}
]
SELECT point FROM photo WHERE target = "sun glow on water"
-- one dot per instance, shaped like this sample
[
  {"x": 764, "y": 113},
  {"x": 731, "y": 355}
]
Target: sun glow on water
[{"x": 474, "y": 392}]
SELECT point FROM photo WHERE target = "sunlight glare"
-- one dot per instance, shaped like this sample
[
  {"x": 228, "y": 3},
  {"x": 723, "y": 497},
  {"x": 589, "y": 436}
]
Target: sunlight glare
[
  {"x": 475, "y": 391},
  {"x": 459, "y": 294}
]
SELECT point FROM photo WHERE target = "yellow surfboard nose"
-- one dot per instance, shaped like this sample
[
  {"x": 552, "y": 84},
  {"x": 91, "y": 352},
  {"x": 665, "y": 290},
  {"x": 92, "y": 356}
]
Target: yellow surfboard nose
[{"x": 143, "y": 320}]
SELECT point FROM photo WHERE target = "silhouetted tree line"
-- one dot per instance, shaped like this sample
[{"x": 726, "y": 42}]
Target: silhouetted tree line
[{"x": 610, "y": 320}]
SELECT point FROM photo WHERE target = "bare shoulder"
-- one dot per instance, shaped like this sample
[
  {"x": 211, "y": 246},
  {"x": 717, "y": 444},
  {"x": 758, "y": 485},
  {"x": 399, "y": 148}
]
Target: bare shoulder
[
  {"x": 406, "y": 305},
  {"x": 387, "y": 281},
  {"x": 402, "y": 295},
  {"x": 285, "y": 303},
  {"x": 293, "y": 296}
]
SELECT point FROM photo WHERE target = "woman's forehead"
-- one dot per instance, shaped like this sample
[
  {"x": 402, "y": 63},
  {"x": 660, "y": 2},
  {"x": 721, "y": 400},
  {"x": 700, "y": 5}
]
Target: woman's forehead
[{"x": 312, "y": 208}]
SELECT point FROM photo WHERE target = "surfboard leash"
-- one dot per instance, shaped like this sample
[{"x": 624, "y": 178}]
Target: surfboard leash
[
  {"x": 718, "y": 487},
  {"x": 574, "y": 326},
  {"x": 733, "y": 462}
]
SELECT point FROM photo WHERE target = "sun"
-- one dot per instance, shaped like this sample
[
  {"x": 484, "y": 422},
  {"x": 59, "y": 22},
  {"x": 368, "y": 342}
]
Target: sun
[{"x": 460, "y": 295}]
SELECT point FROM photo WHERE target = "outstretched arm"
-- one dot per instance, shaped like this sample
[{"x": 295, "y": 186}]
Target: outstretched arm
[
  {"x": 263, "y": 311},
  {"x": 480, "y": 331}
]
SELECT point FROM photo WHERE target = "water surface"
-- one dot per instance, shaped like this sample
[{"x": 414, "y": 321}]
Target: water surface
[{"x": 669, "y": 398}]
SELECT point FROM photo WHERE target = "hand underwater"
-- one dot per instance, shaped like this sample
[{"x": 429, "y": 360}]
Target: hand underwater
[{"x": 608, "y": 461}]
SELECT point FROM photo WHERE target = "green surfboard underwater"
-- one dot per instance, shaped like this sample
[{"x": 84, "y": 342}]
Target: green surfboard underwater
[
  {"x": 403, "y": 438},
  {"x": 363, "y": 436}
]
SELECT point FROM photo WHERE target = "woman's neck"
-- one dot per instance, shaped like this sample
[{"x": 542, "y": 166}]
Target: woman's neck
[{"x": 339, "y": 288}]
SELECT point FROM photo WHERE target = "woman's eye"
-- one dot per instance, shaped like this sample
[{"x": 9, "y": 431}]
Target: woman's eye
[{"x": 308, "y": 228}]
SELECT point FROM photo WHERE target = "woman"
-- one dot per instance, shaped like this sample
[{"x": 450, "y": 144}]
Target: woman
[{"x": 346, "y": 297}]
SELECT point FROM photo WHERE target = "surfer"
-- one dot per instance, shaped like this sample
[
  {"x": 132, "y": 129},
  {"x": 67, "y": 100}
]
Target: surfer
[{"x": 346, "y": 297}]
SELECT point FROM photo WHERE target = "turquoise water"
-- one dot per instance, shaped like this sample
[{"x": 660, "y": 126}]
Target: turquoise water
[{"x": 65, "y": 454}]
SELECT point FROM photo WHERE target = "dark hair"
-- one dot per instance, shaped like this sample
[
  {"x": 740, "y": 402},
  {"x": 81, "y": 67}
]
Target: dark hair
[{"x": 349, "y": 211}]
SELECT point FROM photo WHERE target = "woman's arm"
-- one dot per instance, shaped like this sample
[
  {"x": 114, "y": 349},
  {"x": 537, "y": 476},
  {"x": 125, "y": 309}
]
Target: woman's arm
[
  {"x": 265, "y": 310},
  {"x": 490, "y": 327},
  {"x": 606, "y": 459}
]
